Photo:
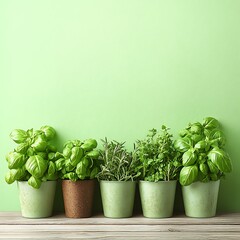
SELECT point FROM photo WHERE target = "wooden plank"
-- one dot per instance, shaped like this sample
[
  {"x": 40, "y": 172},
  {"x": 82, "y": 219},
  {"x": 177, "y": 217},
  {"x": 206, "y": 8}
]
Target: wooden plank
[
  {"x": 7, "y": 218},
  {"x": 121, "y": 235},
  {"x": 221, "y": 227},
  {"x": 119, "y": 228}
]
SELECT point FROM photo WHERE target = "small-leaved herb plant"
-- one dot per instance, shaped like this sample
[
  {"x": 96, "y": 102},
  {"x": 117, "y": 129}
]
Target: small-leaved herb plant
[
  {"x": 80, "y": 160},
  {"x": 158, "y": 157},
  {"x": 201, "y": 146},
  {"x": 33, "y": 159},
  {"x": 117, "y": 163}
]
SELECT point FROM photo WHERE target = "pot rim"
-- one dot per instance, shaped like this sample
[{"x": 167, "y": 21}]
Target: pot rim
[
  {"x": 145, "y": 181},
  {"x": 21, "y": 181},
  {"x": 79, "y": 180},
  {"x": 115, "y": 181},
  {"x": 203, "y": 182}
]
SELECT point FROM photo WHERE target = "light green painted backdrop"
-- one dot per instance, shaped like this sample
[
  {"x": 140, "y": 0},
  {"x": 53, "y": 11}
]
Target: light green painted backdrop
[{"x": 96, "y": 68}]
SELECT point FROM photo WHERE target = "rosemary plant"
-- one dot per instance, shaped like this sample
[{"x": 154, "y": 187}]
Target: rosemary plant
[{"x": 118, "y": 164}]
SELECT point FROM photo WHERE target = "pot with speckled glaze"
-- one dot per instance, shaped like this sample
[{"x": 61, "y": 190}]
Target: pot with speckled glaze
[
  {"x": 117, "y": 198},
  {"x": 200, "y": 199},
  {"x": 157, "y": 198},
  {"x": 78, "y": 198},
  {"x": 36, "y": 203}
]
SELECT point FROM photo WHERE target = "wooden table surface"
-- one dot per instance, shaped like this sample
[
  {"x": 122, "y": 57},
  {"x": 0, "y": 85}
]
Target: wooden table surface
[{"x": 224, "y": 226}]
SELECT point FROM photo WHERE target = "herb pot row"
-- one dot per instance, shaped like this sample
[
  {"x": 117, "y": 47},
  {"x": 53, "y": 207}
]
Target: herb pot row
[
  {"x": 197, "y": 159},
  {"x": 157, "y": 199}
]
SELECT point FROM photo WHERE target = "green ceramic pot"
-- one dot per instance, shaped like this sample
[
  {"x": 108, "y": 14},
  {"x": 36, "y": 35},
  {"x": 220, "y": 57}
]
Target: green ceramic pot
[
  {"x": 117, "y": 198},
  {"x": 200, "y": 199},
  {"x": 157, "y": 198},
  {"x": 37, "y": 203}
]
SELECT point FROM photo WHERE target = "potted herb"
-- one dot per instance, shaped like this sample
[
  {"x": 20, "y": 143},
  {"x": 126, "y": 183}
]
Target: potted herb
[
  {"x": 78, "y": 168},
  {"x": 159, "y": 173},
  {"x": 205, "y": 162},
  {"x": 117, "y": 179},
  {"x": 32, "y": 165}
]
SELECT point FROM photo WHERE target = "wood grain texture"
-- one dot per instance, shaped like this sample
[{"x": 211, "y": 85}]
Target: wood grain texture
[{"x": 225, "y": 226}]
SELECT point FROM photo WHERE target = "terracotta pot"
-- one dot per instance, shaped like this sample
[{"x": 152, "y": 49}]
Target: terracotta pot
[{"x": 78, "y": 198}]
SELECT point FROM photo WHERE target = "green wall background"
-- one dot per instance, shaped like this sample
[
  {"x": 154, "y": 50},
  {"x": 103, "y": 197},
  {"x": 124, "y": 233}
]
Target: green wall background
[{"x": 94, "y": 68}]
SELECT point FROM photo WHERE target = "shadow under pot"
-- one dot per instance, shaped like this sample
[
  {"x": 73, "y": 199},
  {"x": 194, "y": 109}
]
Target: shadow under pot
[
  {"x": 37, "y": 203},
  {"x": 78, "y": 198}
]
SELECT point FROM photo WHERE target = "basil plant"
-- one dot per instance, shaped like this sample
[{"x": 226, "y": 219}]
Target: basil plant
[
  {"x": 33, "y": 159},
  {"x": 201, "y": 146},
  {"x": 79, "y": 160},
  {"x": 158, "y": 158}
]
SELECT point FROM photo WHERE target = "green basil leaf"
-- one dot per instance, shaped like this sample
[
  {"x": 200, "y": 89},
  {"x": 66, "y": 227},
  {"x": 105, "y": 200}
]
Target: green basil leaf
[
  {"x": 220, "y": 159},
  {"x": 196, "y": 137},
  {"x": 51, "y": 168},
  {"x": 60, "y": 164},
  {"x": 94, "y": 154},
  {"x": 196, "y": 128},
  {"x": 68, "y": 165},
  {"x": 15, "y": 160},
  {"x": 49, "y": 132},
  {"x": 30, "y": 152},
  {"x": 76, "y": 156},
  {"x": 44, "y": 155},
  {"x": 203, "y": 167},
  {"x": 212, "y": 167},
  {"x": 202, "y": 145},
  {"x": 18, "y": 135},
  {"x": 51, "y": 156},
  {"x": 77, "y": 143},
  {"x": 68, "y": 144},
  {"x": 203, "y": 178},
  {"x": 15, "y": 174},
  {"x": 217, "y": 138},
  {"x": 189, "y": 158},
  {"x": 39, "y": 144},
  {"x": 22, "y": 148},
  {"x": 36, "y": 166},
  {"x": 213, "y": 177},
  {"x": 89, "y": 144},
  {"x": 210, "y": 123},
  {"x": 94, "y": 172},
  {"x": 81, "y": 169},
  {"x": 67, "y": 152},
  {"x": 9, "y": 177},
  {"x": 51, "y": 148},
  {"x": 34, "y": 182},
  {"x": 183, "y": 133},
  {"x": 50, "y": 177},
  {"x": 188, "y": 175},
  {"x": 183, "y": 144},
  {"x": 71, "y": 176}
]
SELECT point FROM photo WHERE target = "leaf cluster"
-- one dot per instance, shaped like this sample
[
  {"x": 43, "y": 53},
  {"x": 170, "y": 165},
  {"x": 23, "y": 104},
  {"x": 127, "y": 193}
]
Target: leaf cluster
[
  {"x": 80, "y": 160},
  {"x": 117, "y": 163},
  {"x": 158, "y": 157},
  {"x": 33, "y": 159},
  {"x": 201, "y": 146}
]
